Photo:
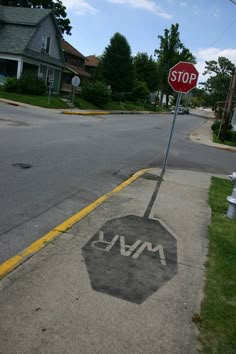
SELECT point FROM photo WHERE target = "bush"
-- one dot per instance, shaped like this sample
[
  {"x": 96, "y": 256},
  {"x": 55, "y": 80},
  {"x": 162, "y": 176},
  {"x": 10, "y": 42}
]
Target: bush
[
  {"x": 216, "y": 125},
  {"x": 11, "y": 85},
  {"x": 96, "y": 92},
  {"x": 233, "y": 136},
  {"x": 30, "y": 83},
  {"x": 140, "y": 90}
]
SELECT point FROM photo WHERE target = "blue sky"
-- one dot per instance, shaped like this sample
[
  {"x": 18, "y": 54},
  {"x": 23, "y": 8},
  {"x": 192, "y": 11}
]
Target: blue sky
[{"x": 207, "y": 27}]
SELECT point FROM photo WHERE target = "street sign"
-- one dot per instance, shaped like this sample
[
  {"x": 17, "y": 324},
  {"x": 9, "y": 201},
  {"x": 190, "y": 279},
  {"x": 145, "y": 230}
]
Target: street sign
[
  {"x": 183, "y": 77},
  {"x": 131, "y": 258},
  {"x": 75, "y": 81}
]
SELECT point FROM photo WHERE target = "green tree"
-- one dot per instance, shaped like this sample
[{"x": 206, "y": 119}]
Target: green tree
[
  {"x": 117, "y": 65},
  {"x": 170, "y": 52},
  {"x": 140, "y": 91},
  {"x": 146, "y": 70},
  {"x": 217, "y": 84},
  {"x": 57, "y": 6}
]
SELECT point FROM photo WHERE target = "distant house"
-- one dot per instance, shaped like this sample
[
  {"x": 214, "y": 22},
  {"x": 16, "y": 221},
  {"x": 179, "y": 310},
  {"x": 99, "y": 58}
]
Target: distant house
[
  {"x": 91, "y": 64},
  {"x": 74, "y": 66},
  {"x": 233, "y": 119},
  {"x": 30, "y": 41}
]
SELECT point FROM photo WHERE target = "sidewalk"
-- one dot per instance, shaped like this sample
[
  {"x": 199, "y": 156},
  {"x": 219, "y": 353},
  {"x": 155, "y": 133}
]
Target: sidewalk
[
  {"x": 204, "y": 135},
  {"x": 115, "y": 282}
]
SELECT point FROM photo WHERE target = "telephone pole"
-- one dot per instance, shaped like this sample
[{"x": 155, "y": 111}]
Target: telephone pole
[{"x": 229, "y": 103}]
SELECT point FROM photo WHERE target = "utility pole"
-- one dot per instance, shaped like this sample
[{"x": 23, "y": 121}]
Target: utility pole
[{"x": 229, "y": 103}]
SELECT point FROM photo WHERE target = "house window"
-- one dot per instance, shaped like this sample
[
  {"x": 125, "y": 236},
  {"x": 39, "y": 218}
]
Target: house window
[{"x": 46, "y": 44}]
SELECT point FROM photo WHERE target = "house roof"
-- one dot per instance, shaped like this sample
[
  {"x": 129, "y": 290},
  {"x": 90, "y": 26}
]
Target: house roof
[
  {"x": 14, "y": 38},
  {"x": 17, "y": 27},
  {"x": 68, "y": 48},
  {"x": 76, "y": 70},
  {"x": 22, "y": 15},
  {"x": 92, "y": 61}
]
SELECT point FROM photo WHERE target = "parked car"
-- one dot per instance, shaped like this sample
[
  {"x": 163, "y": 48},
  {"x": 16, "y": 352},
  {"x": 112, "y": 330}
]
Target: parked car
[
  {"x": 186, "y": 110},
  {"x": 182, "y": 110}
]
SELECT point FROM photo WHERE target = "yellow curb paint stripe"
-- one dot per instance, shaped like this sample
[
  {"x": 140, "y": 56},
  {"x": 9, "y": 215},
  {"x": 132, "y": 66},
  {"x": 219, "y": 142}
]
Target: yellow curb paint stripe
[
  {"x": 86, "y": 113},
  {"x": 12, "y": 263}
]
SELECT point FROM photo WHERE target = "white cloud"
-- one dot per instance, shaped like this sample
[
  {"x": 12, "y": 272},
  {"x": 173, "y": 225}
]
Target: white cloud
[
  {"x": 207, "y": 54},
  {"x": 79, "y": 7},
  {"x": 214, "y": 53},
  {"x": 148, "y": 5}
]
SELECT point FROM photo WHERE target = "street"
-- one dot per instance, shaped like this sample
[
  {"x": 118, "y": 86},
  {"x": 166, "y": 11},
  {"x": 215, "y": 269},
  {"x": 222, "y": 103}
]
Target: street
[{"x": 73, "y": 160}]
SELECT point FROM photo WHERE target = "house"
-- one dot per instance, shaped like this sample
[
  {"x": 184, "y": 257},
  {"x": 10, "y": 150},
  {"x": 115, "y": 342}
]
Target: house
[
  {"x": 30, "y": 42},
  {"x": 91, "y": 64},
  {"x": 74, "y": 66}
]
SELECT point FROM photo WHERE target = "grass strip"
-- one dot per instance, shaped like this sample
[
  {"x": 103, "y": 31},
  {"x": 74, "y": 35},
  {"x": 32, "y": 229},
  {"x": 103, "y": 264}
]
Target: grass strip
[
  {"x": 218, "y": 310},
  {"x": 40, "y": 101},
  {"x": 226, "y": 142}
]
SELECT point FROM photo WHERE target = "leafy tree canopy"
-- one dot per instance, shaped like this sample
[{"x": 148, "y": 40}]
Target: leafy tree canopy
[
  {"x": 146, "y": 70},
  {"x": 217, "y": 84},
  {"x": 57, "y": 6},
  {"x": 170, "y": 52},
  {"x": 117, "y": 64}
]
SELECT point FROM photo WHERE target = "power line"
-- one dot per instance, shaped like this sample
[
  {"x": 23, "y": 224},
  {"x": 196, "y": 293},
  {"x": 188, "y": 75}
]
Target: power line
[{"x": 224, "y": 32}]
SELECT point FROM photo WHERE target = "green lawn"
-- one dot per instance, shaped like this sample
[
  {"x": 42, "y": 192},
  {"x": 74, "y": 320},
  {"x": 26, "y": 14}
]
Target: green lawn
[
  {"x": 114, "y": 105},
  {"x": 218, "y": 311},
  {"x": 41, "y": 101},
  {"x": 218, "y": 141}
]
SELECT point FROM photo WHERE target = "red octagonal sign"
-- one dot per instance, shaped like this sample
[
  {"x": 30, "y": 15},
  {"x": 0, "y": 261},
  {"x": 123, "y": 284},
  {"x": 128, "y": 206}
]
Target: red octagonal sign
[{"x": 183, "y": 77}]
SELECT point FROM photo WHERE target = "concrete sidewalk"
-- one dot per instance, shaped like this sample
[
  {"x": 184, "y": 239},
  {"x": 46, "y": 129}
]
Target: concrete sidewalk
[
  {"x": 116, "y": 282},
  {"x": 204, "y": 135}
]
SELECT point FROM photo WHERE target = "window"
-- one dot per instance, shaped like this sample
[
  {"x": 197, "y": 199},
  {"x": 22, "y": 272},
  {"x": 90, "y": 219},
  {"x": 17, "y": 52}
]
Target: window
[{"x": 46, "y": 44}]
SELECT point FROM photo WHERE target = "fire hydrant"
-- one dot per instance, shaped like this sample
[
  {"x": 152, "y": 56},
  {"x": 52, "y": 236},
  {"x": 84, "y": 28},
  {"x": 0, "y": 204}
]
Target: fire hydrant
[{"x": 231, "y": 213}]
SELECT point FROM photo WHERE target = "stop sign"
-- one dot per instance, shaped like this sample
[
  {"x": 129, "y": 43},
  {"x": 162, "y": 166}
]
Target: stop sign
[{"x": 183, "y": 77}]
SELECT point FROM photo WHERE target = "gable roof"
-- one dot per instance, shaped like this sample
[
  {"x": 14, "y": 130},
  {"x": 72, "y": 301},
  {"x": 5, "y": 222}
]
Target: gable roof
[
  {"x": 17, "y": 27},
  {"x": 22, "y": 15},
  {"x": 92, "y": 61},
  {"x": 68, "y": 48}
]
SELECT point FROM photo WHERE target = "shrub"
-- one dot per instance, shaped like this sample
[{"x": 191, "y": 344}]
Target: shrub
[
  {"x": 30, "y": 83},
  {"x": 216, "y": 125},
  {"x": 11, "y": 85},
  {"x": 96, "y": 92},
  {"x": 234, "y": 137},
  {"x": 140, "y": 91}
]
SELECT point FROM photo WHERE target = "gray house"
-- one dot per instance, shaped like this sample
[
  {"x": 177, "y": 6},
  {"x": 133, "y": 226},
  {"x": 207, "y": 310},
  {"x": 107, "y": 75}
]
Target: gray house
[{"x": 30, "y": 41}]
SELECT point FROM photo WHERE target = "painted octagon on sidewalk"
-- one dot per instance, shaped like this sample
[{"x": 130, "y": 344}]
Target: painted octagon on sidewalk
[{"x": 131, "y": 258}]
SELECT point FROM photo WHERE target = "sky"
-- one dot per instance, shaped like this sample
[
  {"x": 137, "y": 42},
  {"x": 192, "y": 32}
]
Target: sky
[{"x": 207, "y": 27}]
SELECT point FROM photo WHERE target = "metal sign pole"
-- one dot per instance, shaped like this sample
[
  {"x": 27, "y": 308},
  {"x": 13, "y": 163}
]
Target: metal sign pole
[
  {"x": 49, "y": 92},
  {"x": 73, "y": 94},
  {"x": 171, "y": 133}
]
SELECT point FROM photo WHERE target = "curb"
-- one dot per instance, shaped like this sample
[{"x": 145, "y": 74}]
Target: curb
[
  {"x": 86, "y": 113},
  {"x": 14, "y": 262}
]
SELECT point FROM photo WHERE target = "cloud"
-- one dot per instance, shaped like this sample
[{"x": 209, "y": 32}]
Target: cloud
[
  {"x": 148, "y": 5},
  {"x": 79, "y": 7},
  {"x": 214, "y": 53},
  {"x": 207, "y": 54}
]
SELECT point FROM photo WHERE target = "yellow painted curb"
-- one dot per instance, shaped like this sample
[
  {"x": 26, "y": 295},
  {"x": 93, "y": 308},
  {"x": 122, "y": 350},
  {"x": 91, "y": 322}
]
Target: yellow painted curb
[
  {"x": 12, "y": 263},
  {"x": 86, "y": 113}
]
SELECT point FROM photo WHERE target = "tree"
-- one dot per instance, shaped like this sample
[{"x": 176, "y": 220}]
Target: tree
[
  {"x": 146, "y": 70},
  {"x": 170, "y": 52},
  {"x": 217, "y": 84},
  {"x": 117, "y": 65},
  {"x": 57, "y": 6}
]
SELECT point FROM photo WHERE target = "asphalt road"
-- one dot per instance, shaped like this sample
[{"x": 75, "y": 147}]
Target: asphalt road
[{"x": 76, "y": 159}]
